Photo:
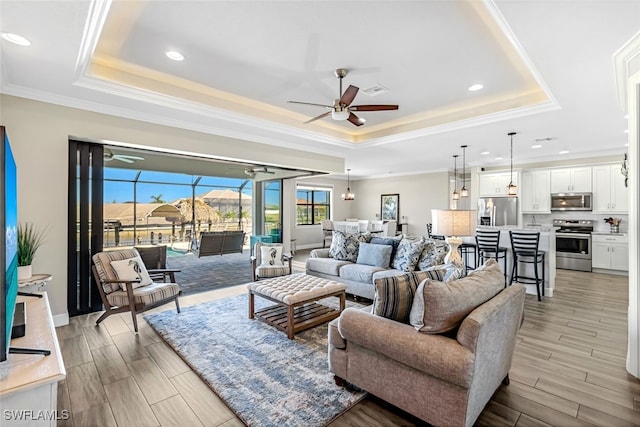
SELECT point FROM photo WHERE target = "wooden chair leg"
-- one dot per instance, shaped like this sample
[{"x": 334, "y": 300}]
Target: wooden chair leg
[
  {"x": 339, "y": 381},
  {"x": 103, "y": 316},
  {"x": 177, "y": 304},
  {"x": 135, "y": 320}
]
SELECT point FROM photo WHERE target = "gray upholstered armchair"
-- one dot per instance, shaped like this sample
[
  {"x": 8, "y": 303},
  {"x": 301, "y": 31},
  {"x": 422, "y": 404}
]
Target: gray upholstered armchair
[
  {"x": 269, "y": 260},
  {"x": 443, "y": 379}
]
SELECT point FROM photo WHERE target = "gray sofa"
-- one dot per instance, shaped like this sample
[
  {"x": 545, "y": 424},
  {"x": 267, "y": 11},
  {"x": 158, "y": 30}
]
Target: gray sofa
[
  {"x": 359, "y": 278},
  {"x": 443, "y": 379}
]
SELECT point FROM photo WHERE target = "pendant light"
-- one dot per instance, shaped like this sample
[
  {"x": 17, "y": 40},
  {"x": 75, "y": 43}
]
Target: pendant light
[
  {"x": 464, "y": 193},
  {"x": 455, "y": 195},
  {"x": 348, "y": 195},
  {"x": 511, "y": 188}
]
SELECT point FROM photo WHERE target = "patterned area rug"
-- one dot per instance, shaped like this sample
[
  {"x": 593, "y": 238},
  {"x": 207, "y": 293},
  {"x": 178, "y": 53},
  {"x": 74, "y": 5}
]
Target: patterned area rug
[{"x": 265, "y": 378}]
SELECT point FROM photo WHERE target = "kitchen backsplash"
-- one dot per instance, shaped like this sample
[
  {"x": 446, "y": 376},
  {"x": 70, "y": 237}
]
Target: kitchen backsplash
[{"x": 598, "y": 219}]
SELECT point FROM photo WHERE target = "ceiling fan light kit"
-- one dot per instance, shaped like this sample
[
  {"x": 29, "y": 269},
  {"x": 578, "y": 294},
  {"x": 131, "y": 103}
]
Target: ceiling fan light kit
[{"x": 342, "y": 109}]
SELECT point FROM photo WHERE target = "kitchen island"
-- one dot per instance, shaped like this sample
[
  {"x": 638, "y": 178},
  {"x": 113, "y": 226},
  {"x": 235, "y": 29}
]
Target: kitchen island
[{"x": 547, "y": 244}]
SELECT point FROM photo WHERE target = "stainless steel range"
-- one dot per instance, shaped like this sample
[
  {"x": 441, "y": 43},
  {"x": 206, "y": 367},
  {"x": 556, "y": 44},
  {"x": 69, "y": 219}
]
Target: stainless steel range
[{"x": 573, "y": 244}]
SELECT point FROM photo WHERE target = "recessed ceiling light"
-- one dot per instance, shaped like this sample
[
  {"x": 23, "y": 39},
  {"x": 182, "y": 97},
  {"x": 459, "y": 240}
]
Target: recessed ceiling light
[
  {"x": 16, "y": 39},
  {"x": 498, "y": 158},
  {"x": 563, "y": 152},
  {"x": 536, "y": 146},
  {"x": 176, "y": 56},
  {"x": 475, "y": 87},
  {"x": 626, "y": 116},
  {"x": 626, "y": 131},
  {"x": 626, "y": 145},
  {"x": 484, "y": 153}
]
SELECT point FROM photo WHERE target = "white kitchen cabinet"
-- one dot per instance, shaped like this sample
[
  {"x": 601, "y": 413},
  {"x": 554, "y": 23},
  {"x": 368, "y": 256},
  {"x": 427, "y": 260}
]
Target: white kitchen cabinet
[
  {"x": 610, "y": 252},
  {"x": 571, "y": 180},
  {"x": 609, "y": 193},
  {"x": 535, "y": 192},
  {"x": 495, "y": 183}
]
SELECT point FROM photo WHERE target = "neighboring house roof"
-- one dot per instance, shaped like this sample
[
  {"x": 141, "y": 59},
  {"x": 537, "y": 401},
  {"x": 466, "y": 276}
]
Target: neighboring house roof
[
  {"x": 123, "y": 212},
  {"x": 220, "y": 195}
]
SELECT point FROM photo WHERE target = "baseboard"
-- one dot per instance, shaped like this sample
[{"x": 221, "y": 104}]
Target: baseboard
[
  {"x": 616, "y": 272},
  {"x": 61, "y": 319}
]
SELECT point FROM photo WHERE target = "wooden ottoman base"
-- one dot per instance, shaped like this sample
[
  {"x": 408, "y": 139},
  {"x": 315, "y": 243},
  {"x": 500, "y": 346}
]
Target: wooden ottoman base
[{"x": 296, "y": 317}]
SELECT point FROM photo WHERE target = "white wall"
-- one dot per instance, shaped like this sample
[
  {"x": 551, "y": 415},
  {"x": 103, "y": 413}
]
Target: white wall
[
  {"x": 39, "y": 134},
  {"x": 418, "y": 195}
]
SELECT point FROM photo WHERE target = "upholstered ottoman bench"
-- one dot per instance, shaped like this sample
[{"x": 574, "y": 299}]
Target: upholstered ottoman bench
[{"x": 296, "y": 297}]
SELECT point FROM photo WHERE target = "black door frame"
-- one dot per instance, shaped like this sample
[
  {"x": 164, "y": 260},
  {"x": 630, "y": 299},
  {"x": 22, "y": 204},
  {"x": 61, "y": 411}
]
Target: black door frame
[{"x": 84, "y": 226}]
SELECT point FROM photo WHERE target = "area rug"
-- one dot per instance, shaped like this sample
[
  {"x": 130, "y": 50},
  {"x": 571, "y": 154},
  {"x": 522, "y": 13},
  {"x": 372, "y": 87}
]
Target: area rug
[{"x": 265, "y": 378}]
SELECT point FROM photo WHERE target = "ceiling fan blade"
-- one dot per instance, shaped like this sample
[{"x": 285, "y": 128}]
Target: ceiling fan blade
[
  {"x": 349, "y": 95},
  {"x": 356, "y": 120},
  {"x": 127, "y": 156},
  {"x": 124, "y": 159},
  {"x": 321, "y": 116},
  {"x": 373, "y": 107},
  {"x": 310, "y": 103}
]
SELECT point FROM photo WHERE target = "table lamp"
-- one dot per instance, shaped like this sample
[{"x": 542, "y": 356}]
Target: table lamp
[{"x": 453, "y": 224}]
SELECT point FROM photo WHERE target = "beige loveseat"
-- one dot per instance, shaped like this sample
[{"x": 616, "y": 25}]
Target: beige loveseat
[{"x": 443, "y": 379}]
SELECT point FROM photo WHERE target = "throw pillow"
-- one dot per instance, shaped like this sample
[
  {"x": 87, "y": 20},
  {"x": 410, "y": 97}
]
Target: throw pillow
[
  {"x": 394, "y": 295},
  {"x": 407, "y": 255},
  {"x": 393, "y": 241},
  {"x": 345, "y": 246},
  {"x": 433, "y": 254},
  {"x": 132, "y": 269},
  {"x": 271, "y": 256},
  {"x": 376, "y": 255},
  {"x": 445, "y": 272},
  {"x": 441, "y": 306}
]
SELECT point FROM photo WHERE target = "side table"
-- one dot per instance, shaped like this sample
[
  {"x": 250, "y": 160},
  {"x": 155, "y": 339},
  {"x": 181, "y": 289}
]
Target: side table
[{"x": 35, "y": 283}]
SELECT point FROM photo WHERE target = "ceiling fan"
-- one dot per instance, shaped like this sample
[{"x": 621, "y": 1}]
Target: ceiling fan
[
  {"x": 127, "y": 158},
  {"x": 252, "y": 172},
  {"x": 342, "y": 108}
]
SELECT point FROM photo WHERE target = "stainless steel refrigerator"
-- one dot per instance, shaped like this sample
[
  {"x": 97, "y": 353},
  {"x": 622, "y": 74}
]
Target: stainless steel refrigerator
[{"x": 496, "y": 211}]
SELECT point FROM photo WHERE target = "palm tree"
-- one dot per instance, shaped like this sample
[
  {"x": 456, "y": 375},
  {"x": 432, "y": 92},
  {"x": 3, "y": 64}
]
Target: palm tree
[{"x": 157, "y": 199}]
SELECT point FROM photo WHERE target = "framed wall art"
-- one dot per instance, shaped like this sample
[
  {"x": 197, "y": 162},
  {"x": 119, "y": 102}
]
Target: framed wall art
[{"x": 389, "y": 207}]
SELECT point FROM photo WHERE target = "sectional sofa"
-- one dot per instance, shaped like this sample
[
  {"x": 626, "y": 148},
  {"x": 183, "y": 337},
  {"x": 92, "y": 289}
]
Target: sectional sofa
[{"x": 357, "y": 260}]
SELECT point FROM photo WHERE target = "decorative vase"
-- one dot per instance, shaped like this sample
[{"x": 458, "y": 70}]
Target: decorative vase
[
  {"x": 615, "y": 229},
  {"x": 24, "y": 272}
]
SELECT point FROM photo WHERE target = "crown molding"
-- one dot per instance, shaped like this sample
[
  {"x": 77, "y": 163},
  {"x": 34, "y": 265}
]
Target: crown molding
[{"x": 626, "y": 61}]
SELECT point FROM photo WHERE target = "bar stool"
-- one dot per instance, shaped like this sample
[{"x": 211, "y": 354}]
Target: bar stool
[
  {"x": 466, "y": 249},
  {"x": 488, "y": 246},
  {"x": 525, "y": 249}
]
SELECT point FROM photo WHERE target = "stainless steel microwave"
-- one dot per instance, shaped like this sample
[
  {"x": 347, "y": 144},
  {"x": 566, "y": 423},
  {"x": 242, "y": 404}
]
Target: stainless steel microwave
[{"x": 571, "y": 202}]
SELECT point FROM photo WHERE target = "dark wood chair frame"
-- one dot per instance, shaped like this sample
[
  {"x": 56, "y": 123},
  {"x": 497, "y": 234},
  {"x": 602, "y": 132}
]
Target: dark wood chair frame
[
  {"x": 524, "y": 246},
  {"x": 488, "y": 246},
  {"x": 132, "y": 307},
  {"x": 155, "y": 259}
]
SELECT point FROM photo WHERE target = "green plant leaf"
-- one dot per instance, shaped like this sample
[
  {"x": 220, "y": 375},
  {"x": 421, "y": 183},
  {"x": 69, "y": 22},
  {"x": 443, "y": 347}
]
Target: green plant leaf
[{"x": 30, "y": 238}]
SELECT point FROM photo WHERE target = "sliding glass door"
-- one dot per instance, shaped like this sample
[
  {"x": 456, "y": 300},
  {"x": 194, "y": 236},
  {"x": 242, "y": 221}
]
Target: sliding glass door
[{"x": 272, "y": 212}]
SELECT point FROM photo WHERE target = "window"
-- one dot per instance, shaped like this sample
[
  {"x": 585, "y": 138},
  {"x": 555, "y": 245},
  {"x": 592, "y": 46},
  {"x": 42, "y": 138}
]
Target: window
[{"x": 313, "y": 204}]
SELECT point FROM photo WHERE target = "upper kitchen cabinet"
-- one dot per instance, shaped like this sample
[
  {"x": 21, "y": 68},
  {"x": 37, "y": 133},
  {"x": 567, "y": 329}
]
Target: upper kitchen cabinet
[
  {"x": 495, "y": 183},
  {"x": 609, "y": 193},
  {"x": 535, "y": 192},
  {"x": 571, "y": 180}
]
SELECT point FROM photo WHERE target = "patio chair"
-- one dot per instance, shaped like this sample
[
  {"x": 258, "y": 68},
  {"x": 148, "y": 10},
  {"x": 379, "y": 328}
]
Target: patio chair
[
  {"x": 155, "y": 259},
  {"x": 124, "y": 285},
  {"x": 269, "y": 260},
  {"x": 327, "y": 231}
]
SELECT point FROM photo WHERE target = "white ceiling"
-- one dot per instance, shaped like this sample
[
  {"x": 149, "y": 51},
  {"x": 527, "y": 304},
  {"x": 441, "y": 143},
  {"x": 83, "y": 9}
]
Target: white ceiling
[{"x": 546, "y": 67}]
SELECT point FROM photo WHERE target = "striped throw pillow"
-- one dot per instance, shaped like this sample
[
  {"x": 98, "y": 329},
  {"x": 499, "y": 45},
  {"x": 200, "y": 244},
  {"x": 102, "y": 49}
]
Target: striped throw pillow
[{"x": 394, "y": 295}]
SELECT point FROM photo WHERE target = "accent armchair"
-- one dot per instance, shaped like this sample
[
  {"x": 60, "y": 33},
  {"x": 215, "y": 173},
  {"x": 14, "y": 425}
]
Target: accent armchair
[
  {"x": 268, "y": 260},
  {"x": 125, "y": 285}
]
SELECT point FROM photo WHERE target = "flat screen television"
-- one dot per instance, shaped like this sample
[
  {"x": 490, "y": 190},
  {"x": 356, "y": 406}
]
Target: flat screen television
[{"x": 9, "y": 247}]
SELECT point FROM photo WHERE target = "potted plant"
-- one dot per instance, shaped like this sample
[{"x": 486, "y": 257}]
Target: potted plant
[{"x": 30, "y": 238}]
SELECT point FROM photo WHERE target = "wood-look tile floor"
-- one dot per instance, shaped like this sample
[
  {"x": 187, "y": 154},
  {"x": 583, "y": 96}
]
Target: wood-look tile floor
[{"x": 568, "y": 369}]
